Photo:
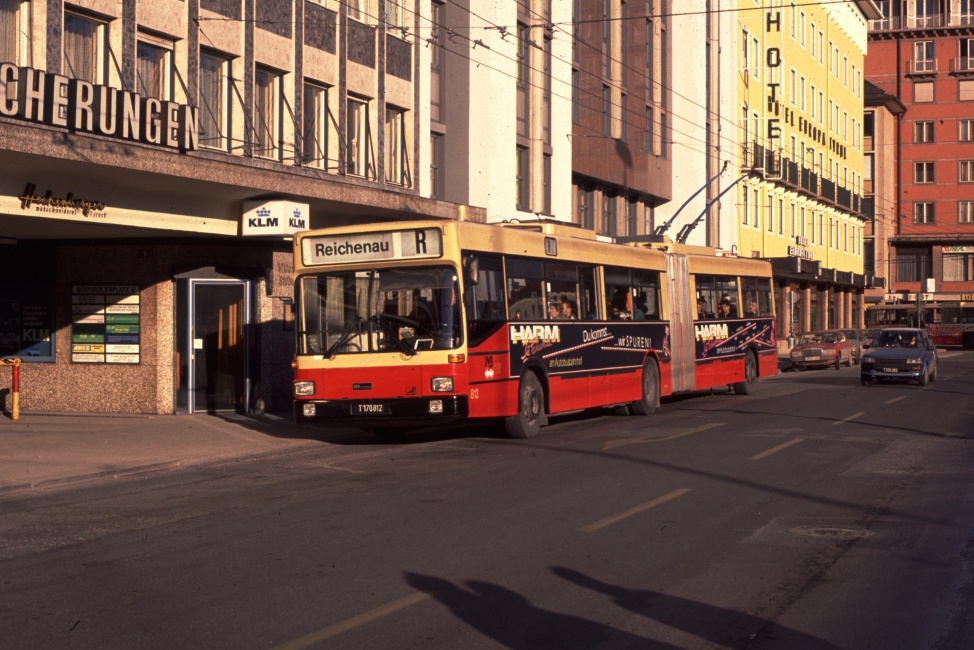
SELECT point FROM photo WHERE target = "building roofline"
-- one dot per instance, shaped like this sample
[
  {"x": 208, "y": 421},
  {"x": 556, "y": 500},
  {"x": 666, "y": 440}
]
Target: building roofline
[
  {"x": 876, "y": 96},
  {"x": 869, "y": 9}
]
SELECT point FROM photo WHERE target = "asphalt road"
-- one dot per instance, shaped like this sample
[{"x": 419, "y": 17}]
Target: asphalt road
[{"x": 816, "y": 513}]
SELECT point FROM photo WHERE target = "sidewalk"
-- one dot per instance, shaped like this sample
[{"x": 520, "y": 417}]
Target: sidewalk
[{"x": 50, "y": 450}]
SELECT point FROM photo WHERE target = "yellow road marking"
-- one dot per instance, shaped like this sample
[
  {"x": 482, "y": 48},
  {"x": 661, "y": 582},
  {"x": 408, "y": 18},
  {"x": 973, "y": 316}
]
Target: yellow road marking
[
  {"x": 850, "y": 418},
  {"x": 633, "y": 511},
  {"x": 612, "y": 444},
  {"x": 895, "y": 399},
  {"x": 775, "y": 450},
  {"x": 354, "y": 622}
]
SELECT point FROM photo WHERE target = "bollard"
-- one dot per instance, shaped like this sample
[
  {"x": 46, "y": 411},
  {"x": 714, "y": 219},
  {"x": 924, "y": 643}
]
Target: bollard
[{"x": 15, "y": 386}]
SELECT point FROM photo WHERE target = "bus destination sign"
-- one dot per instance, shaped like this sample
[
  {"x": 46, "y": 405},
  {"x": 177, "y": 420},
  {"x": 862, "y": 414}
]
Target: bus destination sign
[{"x": 372, "y": 246}]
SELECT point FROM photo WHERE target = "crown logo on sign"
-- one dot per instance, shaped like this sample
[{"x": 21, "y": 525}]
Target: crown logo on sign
[
  {"x": 297, "y": 213},
  {"x": 263, "y": 212}
]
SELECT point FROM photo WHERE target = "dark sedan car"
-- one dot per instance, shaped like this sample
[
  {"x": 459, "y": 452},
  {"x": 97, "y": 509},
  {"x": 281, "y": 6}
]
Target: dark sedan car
[{"x": 901, "y": 354}]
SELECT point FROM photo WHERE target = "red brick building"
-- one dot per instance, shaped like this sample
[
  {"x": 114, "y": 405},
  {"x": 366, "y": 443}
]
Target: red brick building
[{"x": 922, "y": 52}]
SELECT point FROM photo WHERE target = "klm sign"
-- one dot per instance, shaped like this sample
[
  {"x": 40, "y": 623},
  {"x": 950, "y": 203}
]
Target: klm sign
[{"x": 276, "y": 218}]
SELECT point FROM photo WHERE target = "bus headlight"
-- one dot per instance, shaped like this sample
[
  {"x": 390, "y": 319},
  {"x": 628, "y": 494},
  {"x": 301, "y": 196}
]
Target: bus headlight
[
  {"x": 441, "y": 384},
  {"x": 304, "y": 388},
  {"x": 436, "y": 406}
]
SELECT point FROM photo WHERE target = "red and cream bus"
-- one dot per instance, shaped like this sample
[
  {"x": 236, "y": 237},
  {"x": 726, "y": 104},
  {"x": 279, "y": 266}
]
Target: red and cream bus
[
  {"x": 949, "y": 322},
  {"x": 413, "y": 324}
]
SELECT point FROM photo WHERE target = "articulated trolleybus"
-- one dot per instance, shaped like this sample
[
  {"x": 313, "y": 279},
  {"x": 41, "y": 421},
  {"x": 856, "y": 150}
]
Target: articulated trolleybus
[{"x": 412, "y": 324}]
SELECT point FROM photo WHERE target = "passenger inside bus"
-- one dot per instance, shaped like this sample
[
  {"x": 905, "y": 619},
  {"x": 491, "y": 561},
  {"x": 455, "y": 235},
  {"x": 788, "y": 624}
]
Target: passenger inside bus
[
  {"x": 726, "y": 308},
  {"x": 567, "y": 310},
  {"x": 702, "y": 312}
]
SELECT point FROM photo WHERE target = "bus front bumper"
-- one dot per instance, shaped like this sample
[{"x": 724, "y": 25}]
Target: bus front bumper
[{"x": 386, "y": 413}]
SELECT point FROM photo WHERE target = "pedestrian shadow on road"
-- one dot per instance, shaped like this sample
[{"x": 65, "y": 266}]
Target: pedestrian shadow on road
[
  {"x": 718, "y": 625},
  {"x": 513, "y": 621}
]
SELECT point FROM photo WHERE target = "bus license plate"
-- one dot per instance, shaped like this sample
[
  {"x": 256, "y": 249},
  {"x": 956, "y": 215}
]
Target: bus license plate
[
  {"x": 891, "y": 369},
  {"x": 370, "y": 409}
]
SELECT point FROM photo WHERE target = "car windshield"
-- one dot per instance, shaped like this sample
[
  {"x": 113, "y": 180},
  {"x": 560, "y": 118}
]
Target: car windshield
[
  {"x": 810, "y": 338},
  {"x": 897, "y": 340},
  {"x": 388, "y": 310}
]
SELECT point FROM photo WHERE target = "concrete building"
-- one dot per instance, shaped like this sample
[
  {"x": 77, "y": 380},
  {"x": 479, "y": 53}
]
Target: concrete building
[{"x": 922, "y": 52}]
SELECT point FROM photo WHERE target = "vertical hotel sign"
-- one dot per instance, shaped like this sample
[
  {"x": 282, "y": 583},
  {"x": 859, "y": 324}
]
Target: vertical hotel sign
[
  {"x": 773, "y": 60},
  {"x": 105, "y": 325}
]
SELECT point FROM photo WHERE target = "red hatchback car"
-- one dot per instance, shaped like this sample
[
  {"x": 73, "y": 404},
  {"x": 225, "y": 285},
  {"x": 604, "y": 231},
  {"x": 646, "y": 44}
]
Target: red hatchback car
[{"x": 824, "y": 348}]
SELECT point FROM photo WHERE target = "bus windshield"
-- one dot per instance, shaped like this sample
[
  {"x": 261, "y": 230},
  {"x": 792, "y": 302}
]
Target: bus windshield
[{"x": 404, "y": 310}]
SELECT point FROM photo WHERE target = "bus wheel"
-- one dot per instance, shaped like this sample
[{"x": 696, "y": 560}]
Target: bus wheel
[
  {"x": 530, "y": 409},
  {"x": 746, "y": 387},
  {"x": 650, "y": 400}
]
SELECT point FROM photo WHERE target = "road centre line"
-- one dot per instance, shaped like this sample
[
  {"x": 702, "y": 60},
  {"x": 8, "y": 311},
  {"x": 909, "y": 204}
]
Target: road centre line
[
  {"x": 354, "y": 622},
  {"x": 775, "y": 450},
  {"x": 612, "y": 444},
  {"x": 895, "y": 399},
  {"x": 591, "y": 528},
  {"x": 850, "y": 418}
]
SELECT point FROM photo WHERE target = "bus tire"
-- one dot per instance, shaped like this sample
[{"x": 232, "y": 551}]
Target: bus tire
[
  {"x": 746, "y": 387},
  {"x": 649, "y": 402},
  {"x": 530, "y": 409}
]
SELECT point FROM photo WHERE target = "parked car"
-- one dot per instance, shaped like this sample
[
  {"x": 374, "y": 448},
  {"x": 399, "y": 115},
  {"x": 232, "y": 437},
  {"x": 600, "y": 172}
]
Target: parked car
[
  {"x": 858, "y": 340},
  {"x": 900, "y": 354},
  {"x": 821, "y": 349}
]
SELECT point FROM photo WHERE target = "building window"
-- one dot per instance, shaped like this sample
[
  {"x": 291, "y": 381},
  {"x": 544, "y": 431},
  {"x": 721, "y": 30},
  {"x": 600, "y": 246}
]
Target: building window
[
  {"x": 546, "y": 181},
  {"x": 84, "y": 40},
  {"x": 965, "y": 212},
  {"x": 523, "y": 179},
  {"x": 153, "y": 72},
  {"x": 965, "y": 63},
  {"x": 546, "y": 94},
  {"x": 213, "y": 115},
  {"x": 266, "y": 100},
  {"x": 576, "y": 97},
  {"x": 624, "y": 117},
  {"x": 358, "y": 139},
  {"x": 958, "y": 267},
  {"x": 15, "y": 30},
  {"x": 756, "y": 206},
  {"x": 523, "y": 80},
  {"x": 745, "y": 211},
  {"x": 608, "y": 214},
  {"x": 356, "y": 9},
  {"x": 586, "y": 207},
  {"x": 396, "y": 148},
  {"x": 923, "y": 132},
  {"x": 912, "y": 266},
  {"x": 395, "y": 17},
  {"x": 923, "y": 57},
  {"x": 965, "y": 90},
  {"x": 436, "y": 165},
  {"x": 966, "y": 171},
  {"x": 923, "y": 212},
  {"x": 632, "y": 217},
  {"x": 436, "y": 62},
  {"x": 314, "y": 151},
  {"x": 966, "y": 130},
  {"x": 922, "y": 92},
  {"x": 923, "y": 172},
  {"x": 606, "y": 111}
]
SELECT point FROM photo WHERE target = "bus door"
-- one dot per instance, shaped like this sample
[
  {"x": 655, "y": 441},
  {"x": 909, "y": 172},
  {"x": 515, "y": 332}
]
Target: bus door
[{"x": 682, "y": 308}]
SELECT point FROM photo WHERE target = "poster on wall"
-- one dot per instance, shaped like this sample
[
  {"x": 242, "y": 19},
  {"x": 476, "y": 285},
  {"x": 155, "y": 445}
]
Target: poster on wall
[{"x": 105, "y": 325}]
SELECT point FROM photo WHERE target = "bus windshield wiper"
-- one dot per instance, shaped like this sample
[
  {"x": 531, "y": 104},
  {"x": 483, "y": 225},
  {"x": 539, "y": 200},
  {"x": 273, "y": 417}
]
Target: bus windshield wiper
[{"x": 343, "y": 339}]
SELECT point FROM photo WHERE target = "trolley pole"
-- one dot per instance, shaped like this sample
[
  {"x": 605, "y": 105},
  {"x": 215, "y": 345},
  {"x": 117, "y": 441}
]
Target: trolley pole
[{"x": 15, "y": 386}]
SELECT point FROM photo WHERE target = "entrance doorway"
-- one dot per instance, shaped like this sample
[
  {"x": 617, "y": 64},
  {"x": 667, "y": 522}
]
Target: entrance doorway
[{"x": 213, "y": 318}]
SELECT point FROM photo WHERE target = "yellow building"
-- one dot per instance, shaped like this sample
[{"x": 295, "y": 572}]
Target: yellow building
[{"x": 797, "y": 147}]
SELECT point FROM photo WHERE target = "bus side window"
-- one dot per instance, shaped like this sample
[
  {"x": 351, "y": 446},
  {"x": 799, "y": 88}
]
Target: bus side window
[
  {"x": 618, "y": 296},
  {"x": 757, "y": 297},
  {"x": 525, "y": 290},
  {"x": 485, "y": 299},
  {"x": 645, "y": 295},
  {"x": 707, "y": 296}
]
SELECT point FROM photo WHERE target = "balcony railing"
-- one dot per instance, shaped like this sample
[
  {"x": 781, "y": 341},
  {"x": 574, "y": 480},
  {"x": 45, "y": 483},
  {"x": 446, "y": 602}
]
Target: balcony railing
[
  {"x": 777, "y": 168},
  {"x": 921, "y": 66},
  {"x": 930, "y": 21},
  {"x": 962, "y": 65}
]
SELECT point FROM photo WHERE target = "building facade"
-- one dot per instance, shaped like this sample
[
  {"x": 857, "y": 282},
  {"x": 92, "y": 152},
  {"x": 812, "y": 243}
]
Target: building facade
[
  {"x": 922, "y": 53},
  {"x": 155, "y": 158},
  {"x": 796, "y": 102}
]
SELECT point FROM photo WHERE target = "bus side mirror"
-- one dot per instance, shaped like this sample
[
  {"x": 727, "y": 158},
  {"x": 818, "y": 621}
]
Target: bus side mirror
[{"x": 472, "y": 271}]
